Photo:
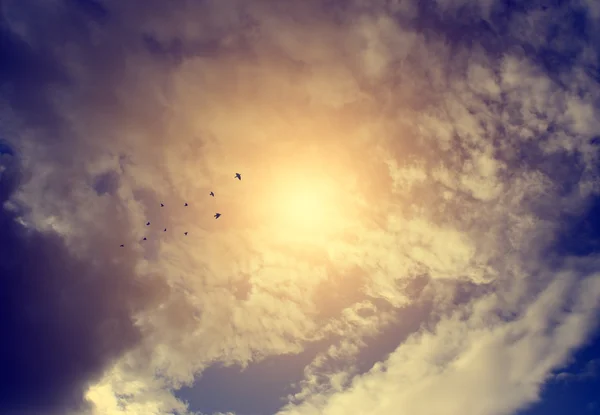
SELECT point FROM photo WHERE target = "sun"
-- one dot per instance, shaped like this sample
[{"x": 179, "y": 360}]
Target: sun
[{"x": 304, "y": 208}]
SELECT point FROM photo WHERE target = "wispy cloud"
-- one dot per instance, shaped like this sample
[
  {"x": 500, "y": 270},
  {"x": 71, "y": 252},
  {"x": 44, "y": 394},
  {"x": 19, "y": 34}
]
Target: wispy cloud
[{"x": 590, "y": 371}]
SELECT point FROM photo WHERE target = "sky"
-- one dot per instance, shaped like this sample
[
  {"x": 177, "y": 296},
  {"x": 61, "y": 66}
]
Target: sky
[{"x": 417, "y": 228}]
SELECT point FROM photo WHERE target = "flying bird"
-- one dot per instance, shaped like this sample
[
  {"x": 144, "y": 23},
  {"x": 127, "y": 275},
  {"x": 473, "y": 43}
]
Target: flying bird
[
  {"x": 217, "y": 215},
  {"x": 212, "y": 194},
  {"x": 238, "y": 176},
  {"x": 145, "y": 238},
  {"x": 122, "y": 245},
  {"x": 185, "y": 233},
  {"x": 185, "y": 204},
  {"x": 165, "y": 230},
  {"x": 162, "y": 205},
  {"x": 148, "y": 224}
]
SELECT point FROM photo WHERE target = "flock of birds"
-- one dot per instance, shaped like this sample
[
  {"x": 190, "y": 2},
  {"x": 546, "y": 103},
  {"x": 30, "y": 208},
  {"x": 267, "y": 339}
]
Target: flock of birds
[{"x": 216, "y": 216}]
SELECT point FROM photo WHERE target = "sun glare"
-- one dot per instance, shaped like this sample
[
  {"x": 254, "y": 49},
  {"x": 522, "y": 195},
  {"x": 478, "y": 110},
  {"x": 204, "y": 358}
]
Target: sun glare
[{"x": 304, "y": 209}]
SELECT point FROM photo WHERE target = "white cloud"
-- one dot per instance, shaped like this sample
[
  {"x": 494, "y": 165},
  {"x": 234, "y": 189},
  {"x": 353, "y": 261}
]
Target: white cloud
[{"x": 472, "y": 365}]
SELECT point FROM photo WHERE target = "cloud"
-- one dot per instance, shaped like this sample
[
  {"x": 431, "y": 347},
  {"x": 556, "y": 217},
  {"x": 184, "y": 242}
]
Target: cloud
[
  {"x": 65, "y": 316},
  {"x": 590, "y": 371},
  {"x": 449, "y": 153},
  {"x": 495, "y": 362}
]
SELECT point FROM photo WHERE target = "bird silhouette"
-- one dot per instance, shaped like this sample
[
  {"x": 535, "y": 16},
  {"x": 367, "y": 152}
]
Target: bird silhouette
[
  {"x": 148, "y": 224},
  {"x": 122, "y": 245},
  {"x": 217, "y": 215},
  {"x": 185, "y": 233},
  {"x": 238, "y": 176},
  {"x": 165, "y": 230},
  {"x": 162, "y": 205},
  {"x": 212, "y": 194},
  {"x": 185, "y": 204},
  {"x": 145, "y": 238}
]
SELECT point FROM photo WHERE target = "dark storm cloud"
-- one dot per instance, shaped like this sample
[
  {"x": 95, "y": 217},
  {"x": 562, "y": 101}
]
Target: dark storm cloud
[{"x": 63, "y": 319}]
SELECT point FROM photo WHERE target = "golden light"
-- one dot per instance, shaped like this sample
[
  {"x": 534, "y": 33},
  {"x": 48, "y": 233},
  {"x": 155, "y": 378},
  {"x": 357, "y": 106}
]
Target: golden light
[{"x": 305, "y": 206}]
